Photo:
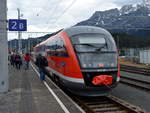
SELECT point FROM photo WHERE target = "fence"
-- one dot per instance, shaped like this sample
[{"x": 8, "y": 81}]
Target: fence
[{"x": 137, "y": 55}]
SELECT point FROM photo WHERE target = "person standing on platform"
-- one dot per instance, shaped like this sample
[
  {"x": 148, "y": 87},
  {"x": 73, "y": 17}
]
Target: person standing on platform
[
  {"x": 41, "y": 62},
  {"x": 12, "y": 59},
  {"x": 27, "y": 59},
  {"x": 18, "y": 61}
]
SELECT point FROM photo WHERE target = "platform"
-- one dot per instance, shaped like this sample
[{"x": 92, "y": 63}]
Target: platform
[
  {"x": 129, "y": 63},
  {"x": 27, "y": 94}
]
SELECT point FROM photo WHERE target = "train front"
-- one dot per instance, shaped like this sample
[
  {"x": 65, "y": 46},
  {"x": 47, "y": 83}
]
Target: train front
[{"x": 97, "y": 56}]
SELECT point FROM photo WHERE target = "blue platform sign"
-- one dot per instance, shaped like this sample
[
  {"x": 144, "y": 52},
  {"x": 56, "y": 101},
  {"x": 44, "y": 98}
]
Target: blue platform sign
[{"x": 17, "y": 25}]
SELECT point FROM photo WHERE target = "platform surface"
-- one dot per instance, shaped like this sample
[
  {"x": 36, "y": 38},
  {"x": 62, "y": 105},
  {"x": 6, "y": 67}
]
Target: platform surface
[{"x": 27, "y": 94}]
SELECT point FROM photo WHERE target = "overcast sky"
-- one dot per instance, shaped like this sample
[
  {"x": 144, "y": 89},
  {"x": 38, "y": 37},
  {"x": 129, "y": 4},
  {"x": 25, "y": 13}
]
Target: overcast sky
[{"x": 52, "y": 15}]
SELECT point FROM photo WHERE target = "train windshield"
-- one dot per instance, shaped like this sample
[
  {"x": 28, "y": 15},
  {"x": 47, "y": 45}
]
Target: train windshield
[
  {"x": 90, "y": 43},
  {"x": 91, "y": 40},
  {"x": 95, "y": 49}
]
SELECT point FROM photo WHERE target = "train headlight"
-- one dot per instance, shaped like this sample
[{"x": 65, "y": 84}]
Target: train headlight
[
  {"x": 84, "y": 65},
  {"x": 90, "y": 65},
  {"x": 112, "y": 64}
]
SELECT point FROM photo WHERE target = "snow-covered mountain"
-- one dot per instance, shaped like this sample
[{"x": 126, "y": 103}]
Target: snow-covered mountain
[
  {"x": 126, "y": 9},
  {"x": 146, "y": 3},
  {"x": 130, "y": 18}
]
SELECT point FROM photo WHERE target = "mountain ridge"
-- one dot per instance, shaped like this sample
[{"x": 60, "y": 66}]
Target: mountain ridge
[{"x": 129, "y": 19}]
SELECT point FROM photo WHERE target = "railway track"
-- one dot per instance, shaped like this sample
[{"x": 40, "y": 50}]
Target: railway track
[
  {"x": 144, "y": 85},
  {"x": 107, "y": 104},
  {"x": 140, "y": 84},
  {"x": 138, "y": 70}
]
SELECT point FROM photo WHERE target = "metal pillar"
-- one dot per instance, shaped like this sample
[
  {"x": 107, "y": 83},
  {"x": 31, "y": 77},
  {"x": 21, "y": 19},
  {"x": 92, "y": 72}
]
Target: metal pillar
[
  {"x": 28, "y": 45},
  {"x": 19, "y": 34},
  {"x": 3, "y": 48}
]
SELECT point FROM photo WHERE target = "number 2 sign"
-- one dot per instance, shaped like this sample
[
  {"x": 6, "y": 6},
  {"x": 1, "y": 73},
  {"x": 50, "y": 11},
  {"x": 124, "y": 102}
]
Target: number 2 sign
[{"x": 17, "y": 25}]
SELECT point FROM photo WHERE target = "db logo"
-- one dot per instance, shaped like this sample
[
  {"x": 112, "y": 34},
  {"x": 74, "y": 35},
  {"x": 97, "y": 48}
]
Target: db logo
[{"x": 101, "y": 65}]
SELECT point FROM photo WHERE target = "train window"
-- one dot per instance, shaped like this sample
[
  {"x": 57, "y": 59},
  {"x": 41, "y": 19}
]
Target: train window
[
  {"x": 61, "y": 49},
  {"x": 93, "y": 40},
  {"x": 89, "y": 42},
  {"x": 37, "y": 49},
  {"x": 41, "y": 48},
  {"x": 50, "y": 53},
  {"x": 89, "y": 39},
  {"x": 51, "y": 47},
  {"x": 56, "y": 48}
]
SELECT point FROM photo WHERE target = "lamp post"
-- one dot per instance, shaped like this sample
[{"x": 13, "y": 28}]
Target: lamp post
[{"x": 19, "y": 33}]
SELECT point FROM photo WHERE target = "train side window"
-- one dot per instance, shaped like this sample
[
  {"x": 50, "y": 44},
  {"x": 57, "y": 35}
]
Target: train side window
[
  {"x": 61, "y": 49},
  {"x": 65, "y": 53},
  {"x": 51, "y": 46},
  {"x": 56, "y": 48}
]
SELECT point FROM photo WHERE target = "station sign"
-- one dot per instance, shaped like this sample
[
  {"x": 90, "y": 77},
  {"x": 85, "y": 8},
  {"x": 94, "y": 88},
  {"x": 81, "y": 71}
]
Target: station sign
[{"x": 17, "y": 25}]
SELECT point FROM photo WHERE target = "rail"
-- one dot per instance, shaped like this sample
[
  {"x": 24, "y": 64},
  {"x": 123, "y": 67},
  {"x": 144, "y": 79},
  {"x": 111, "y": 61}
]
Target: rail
[
  {"x": 107, "y": 104},
  {"x": 140, "y": 84},
  {"x": 138, "y": 70}
]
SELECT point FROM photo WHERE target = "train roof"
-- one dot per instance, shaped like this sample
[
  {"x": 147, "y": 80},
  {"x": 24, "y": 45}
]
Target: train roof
[
  {"x": 41, "y": 43},
  {"x": 75, "y": 30}
]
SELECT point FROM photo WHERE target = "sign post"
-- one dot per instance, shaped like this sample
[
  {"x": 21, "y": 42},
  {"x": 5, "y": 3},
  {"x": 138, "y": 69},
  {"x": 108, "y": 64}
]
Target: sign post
[{"x": 3, "y": 48}]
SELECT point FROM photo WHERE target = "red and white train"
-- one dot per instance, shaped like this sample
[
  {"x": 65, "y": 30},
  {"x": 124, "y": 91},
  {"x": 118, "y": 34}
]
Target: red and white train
[{"x": 83, "y": 59}]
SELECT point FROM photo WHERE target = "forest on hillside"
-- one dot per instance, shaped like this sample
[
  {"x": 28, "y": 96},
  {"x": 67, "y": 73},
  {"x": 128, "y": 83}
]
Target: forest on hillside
[{"x": 130, "y": 41}]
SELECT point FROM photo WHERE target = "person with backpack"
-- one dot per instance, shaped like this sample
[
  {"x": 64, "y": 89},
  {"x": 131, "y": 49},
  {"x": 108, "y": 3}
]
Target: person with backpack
[
  {"x": 27, "y": 59},
  {"x": 41, "y": 63}
]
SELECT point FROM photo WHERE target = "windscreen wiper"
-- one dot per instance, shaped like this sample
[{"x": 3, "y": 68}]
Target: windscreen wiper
[
  {"x": 99, "y": 48},
  {"x": 96, "y": 48},
  {"x": 90, "y": 45}
]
